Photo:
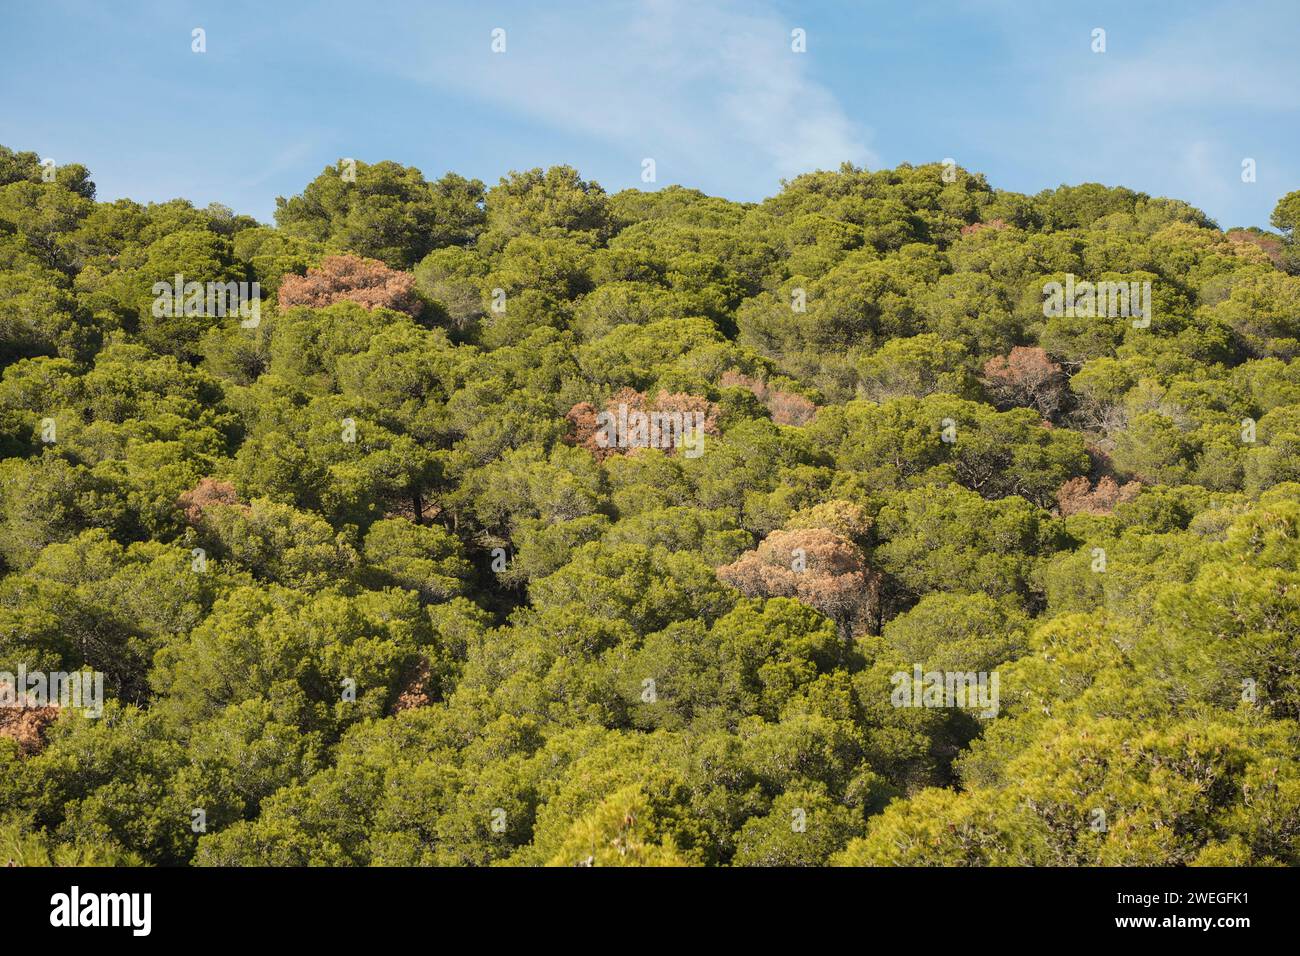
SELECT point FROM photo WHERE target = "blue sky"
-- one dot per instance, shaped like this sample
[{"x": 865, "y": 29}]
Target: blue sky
[{"x": 708, "y": 88}]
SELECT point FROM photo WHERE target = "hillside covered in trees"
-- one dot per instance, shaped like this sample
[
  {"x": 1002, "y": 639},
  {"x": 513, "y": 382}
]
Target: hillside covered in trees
[{"x": 369, "y": 583}]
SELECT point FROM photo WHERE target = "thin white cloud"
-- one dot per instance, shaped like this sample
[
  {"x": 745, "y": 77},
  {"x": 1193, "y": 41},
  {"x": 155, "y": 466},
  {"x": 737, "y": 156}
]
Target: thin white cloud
[
  {"x": 703, "y": 88},
  {"x": 1231, "y": 57},
  {"x": 1171, "y": 108}
]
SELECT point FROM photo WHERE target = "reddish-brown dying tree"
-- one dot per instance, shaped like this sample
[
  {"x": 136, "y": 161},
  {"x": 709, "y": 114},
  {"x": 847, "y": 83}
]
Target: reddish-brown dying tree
[
  {"x": 586, "y": 431},
  {"x": 1076, "y": 496},
  {"x": 208, "y": 492},
  {"x": 1026, "y": 377},
  {"x": 350, "y": 278},
  {"x": 1272, "y": 246},
  {"x": 787, "y": 408},
  {"x": 26, "y": 725},
  {"x": 813, "y": 565},
  {"x": 975, "y": 228},
  {"x": 417, "y": 691}
]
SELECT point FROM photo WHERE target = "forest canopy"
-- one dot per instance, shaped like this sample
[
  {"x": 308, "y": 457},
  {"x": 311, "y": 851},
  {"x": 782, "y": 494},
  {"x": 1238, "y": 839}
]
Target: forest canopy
[{"x": 530, "y": 524}]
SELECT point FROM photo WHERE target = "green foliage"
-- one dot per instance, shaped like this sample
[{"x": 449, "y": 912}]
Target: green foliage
[
  {"x": 384, "y": 211},
  {"x": 364, "y": 591}
]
